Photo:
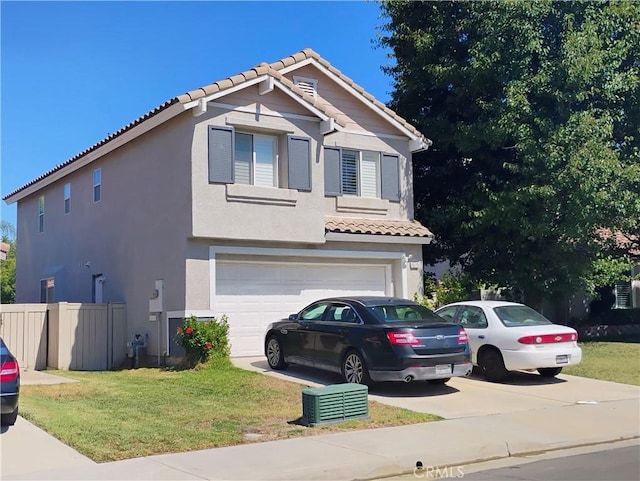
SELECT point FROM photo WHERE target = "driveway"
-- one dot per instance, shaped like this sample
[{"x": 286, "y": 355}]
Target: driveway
[{"x": 472, "y": 396}]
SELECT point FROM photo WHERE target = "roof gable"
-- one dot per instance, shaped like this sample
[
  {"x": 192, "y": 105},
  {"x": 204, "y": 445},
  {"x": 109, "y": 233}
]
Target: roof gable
[{"x": 269, "y": 76}]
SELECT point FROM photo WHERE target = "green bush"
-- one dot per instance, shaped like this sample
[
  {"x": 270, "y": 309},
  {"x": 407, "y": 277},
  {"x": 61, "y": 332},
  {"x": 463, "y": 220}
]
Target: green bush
[
  {"x": 202, "y": 338},
  {"x": 454, "y": 286}
]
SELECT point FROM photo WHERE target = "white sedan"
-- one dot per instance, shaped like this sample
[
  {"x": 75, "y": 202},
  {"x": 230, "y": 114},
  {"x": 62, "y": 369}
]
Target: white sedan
[{"x": 506, "y": 336}]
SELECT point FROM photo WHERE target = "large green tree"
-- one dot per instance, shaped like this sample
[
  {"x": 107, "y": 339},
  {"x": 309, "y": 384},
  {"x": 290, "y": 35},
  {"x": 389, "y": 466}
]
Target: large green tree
[
  {"x": 534, "y": 113},
  {"x": 8, "y": 266}
]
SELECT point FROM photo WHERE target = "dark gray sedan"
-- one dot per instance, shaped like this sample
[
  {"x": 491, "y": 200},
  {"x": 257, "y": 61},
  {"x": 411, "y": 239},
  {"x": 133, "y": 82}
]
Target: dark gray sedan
[
  {"x": 9, "y": 385},
  {"x": 371, "y": 339}
]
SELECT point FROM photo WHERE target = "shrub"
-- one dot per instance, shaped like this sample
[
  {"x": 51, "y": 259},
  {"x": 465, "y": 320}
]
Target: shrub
[
  {"x": 202, "y": 338},
  {"x": 452, "y": 287}
]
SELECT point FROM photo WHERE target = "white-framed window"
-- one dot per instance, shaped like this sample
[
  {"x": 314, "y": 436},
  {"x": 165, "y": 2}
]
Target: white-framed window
[
  {"x": 67, "y": 198},
  {"x": 41, "y": 213},
  {"x": 307, "y": 85},
  {"x": 361, "y": 173},
  {"x": 97, "y": 184},
  {"x": 247, "y": 157},
  {"x": 256, "y": 159},
  {"x": 47, "y": 290}
]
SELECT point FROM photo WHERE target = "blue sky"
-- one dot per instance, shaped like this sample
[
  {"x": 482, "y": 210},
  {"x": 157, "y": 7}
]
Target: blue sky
[{"x": 72, "y": 72}]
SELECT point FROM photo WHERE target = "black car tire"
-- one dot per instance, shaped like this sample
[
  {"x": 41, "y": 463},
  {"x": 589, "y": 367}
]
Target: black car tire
[
  {"x": 275, "y": 355},
  {"x": 9, "y": 419},
  {"x": 439, "y": 381},
  {"x": 492, "y": 366},
  {"x": 549, "y": 371},
  {"x": 354, "y": 369}
]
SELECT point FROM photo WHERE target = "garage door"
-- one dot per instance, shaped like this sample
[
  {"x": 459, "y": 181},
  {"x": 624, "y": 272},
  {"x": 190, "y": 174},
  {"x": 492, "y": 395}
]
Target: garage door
[{"x": 253, "y": 294}]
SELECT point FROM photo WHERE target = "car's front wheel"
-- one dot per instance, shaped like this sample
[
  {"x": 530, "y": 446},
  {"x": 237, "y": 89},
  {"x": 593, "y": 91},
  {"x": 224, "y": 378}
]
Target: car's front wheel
[
  {"x": 492, "y": 366},
  {"x": 549, "y": 371},
  {"x": 354, "y": 369},
  {"x": 275, "y": 356},
  {"x": 9, "y": 419}
]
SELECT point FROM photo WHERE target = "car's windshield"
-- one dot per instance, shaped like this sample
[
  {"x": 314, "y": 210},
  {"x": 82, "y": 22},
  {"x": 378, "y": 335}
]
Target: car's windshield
[
  {"x": 514, "y": 316},
  {"x": 403, "y": 313}
]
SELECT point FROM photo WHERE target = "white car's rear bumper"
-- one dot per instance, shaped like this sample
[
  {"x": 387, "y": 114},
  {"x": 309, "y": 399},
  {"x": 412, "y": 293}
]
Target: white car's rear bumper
[{"x": 535, "y": 358}]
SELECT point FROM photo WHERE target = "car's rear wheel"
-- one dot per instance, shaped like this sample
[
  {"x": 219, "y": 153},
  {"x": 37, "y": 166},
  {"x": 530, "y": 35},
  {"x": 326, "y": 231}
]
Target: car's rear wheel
[
  {"x": 275, "y": 355},
  {"x": 439, "y": 381},
  {"x": 9, "y": 419},
  {"x": 492, "y": 366},
  {"x": 354, "y": 369},
  {"x": 549, "y": 371}
]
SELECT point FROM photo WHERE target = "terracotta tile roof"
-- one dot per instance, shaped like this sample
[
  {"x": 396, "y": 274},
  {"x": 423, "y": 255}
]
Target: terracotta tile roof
[
  {"x": 410, "y": 228},
  {"x": 235, "y": 80},
  {"x": 622, "y": 241}
]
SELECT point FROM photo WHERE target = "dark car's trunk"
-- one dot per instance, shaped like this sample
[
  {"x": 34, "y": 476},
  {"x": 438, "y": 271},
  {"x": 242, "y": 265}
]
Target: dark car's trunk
[{"x": 428, "y": 339}]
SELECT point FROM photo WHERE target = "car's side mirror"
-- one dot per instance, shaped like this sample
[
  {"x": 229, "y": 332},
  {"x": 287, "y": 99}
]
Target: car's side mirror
[{"x": 293, "y": 317}]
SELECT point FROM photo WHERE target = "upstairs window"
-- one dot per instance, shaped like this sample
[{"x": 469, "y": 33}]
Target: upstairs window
[
  {"x": 67, "y": 198},
  {"x": 361, "y": 173},
  {"x": 251, "y": 158},
  {"x": 41, "y": 213},
  {"x": 256, "y": 160},
  {"x": 97, "y": 183}
]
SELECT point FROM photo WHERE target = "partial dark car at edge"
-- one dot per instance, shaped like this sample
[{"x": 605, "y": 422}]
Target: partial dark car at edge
[
  {"x": 9, "y": 385},
  {"x": 369, "y": 339}
]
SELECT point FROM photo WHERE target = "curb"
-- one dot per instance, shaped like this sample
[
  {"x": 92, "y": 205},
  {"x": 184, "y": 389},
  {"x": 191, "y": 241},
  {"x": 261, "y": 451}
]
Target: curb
[{"x": 519, "y": 454}]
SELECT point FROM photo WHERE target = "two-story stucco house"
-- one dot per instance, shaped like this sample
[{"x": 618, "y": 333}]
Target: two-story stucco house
[{"x": 249, "y": 197}]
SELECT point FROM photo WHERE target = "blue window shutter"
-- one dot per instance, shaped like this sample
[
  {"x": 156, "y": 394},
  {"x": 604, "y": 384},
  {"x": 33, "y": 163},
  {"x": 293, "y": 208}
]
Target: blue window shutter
[
  {"x": 220, "y": 154},
  {"x": 332, "y": 174},
  {"x": 390, "y": 177},
  {"x": 299, "y": 149}
]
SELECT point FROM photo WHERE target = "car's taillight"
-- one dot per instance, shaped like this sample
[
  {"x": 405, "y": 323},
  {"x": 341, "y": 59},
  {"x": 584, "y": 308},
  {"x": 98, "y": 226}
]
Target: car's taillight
[
  {"x": 9, "y": 371},
  {"x": 549, "y": 338},
  {"x": 463, "y": 338},
  {"x": 402, "y": 338}
]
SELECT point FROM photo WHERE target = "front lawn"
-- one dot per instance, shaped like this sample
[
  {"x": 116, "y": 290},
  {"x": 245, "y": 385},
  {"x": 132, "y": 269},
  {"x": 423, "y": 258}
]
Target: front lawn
[
  {"x": 610, "y": 361},
  {"x": 111, "y": 415}
]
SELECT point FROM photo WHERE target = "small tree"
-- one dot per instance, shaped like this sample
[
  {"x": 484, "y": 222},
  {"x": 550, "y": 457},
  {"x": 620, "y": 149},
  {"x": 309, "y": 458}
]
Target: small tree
[{"x": 203, "y": 338}]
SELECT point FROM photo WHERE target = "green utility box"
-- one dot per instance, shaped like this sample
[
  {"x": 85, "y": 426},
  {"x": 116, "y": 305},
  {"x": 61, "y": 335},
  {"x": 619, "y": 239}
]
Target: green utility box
[{"x": 335, "y": 403}]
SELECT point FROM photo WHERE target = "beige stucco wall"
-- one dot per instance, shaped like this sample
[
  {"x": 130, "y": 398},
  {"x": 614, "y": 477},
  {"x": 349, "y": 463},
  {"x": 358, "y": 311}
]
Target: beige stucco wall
[{"x": 136, "y": 233}]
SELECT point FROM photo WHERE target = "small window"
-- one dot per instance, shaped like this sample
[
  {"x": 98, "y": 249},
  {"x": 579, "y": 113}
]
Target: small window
[
  {"x": 361, "y": 173},
  {"x": 41, "y": 213},
  {"x": 255, "y": 159},
  {"x": 97, "y": 183},
  {"x": 47, "y": 287},
  {"x": 67, "y": 198},
  {"x": 307, "y": 85}
]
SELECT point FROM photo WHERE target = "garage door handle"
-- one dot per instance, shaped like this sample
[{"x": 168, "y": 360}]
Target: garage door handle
[{"x": 480, "y": 337}]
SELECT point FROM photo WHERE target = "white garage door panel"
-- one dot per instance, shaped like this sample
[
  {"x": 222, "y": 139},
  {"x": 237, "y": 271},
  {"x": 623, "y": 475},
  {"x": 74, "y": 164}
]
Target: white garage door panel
[{"x": 254, "y": 294}]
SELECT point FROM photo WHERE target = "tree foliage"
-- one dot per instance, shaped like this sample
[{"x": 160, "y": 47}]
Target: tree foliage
[
  {"x": 534, "y": 113},
  {"x": 8, "y": 266}
]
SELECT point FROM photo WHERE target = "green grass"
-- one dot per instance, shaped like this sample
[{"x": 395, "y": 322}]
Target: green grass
[
  {"x": 112, "y": 415},
  {"x": 610, "y": 361}
]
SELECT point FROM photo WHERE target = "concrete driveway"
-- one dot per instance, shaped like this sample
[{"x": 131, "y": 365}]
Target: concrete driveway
[{"x": 468, "y": 397}]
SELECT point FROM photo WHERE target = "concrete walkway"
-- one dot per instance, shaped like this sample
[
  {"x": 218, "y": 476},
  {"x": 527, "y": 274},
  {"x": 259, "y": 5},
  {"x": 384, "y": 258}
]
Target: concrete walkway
[{"x": 555, "y": 424}]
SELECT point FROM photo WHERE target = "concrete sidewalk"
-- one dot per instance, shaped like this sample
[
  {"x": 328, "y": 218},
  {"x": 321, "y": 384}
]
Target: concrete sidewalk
[
  {"x": 379, "y": 452},
  {"x": 366, "y": 454}
]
